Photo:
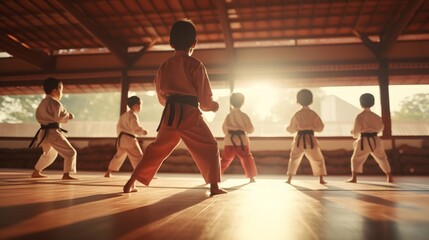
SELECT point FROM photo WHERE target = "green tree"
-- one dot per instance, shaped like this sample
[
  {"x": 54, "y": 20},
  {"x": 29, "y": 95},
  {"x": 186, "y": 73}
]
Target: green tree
[
  {"x": 93, "y": 106},
  {"x": 19, "y": 108},
  {"x": 415, "y": 107}
]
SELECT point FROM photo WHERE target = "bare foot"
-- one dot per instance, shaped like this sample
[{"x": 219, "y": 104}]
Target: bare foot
[
  {"x": 66, "y": 176},
  {"x": 351, "y": 180},
  {"x": 289, "y": 180},
  {"x": 390, "y": 179},
  {"x": 108, "y": 174},
  {"x": 129, "y": 187},
  {"x": 217, "y": 191},
  {"x": 252, "y": 180},
  {"x": 37, "y": 174},
  {"x": 321, "y": 181}
]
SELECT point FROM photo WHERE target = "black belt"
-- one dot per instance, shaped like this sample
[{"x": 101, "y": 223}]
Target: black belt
[
  {"x": 45, "y": 127},
  {"x": 301, "y": 134},
  {"x": 237, "y": 133},
  {"x": 369, "y": 135},
  {"x": 171, "y": 102},
  {"x": 118, "y": 140}
]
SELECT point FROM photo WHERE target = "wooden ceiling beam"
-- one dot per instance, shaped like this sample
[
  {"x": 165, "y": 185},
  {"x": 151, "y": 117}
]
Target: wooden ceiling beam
[
  {"x": 37, "y": 58},
  {"x": 134, "y": 57},
  {"x": 120, "y": 51},
  {"x": 225, "y": 25},
  {"x": 396, "y": 27},
  {"x": 372, "y": 46}
]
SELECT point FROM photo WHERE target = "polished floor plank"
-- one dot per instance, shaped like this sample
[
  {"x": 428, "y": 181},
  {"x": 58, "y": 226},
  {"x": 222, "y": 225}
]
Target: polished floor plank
[{"x": 178, "y": 206}]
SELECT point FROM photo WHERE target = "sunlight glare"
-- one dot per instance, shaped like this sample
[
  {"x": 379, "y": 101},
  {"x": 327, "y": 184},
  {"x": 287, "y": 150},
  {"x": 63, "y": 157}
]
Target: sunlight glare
[{"x": 262, "y": 97}]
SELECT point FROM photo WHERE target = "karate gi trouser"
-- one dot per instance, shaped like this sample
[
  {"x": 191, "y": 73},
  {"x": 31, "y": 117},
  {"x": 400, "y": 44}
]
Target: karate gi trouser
[
  {"x": 314, "y": 155},
  {"x": 55, "y": 142},
  {"x": 359, "y": 156},
  {"x": 200, "y": 143},
  {"x": 246, "y": 159},
  {"x": 130, "y": 147}
]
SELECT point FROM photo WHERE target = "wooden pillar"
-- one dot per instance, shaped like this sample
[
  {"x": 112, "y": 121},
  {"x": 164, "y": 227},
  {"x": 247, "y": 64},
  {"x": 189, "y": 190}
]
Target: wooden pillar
[
  {"x": 383, "y": 80},
  {"x": 125, "y": 86},
  {"x": 231, "y": 70}
]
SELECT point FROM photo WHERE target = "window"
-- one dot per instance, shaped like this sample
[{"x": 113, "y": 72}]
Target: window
[
  {"x": 17, "y": 115},
  {"x": 271, "y": 107},
  {"x": 96, "y": 114},
  {"x": 409, "y": 107}
]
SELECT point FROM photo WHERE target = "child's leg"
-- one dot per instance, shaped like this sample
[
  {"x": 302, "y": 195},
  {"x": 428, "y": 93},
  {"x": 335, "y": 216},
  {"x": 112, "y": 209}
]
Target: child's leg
[
  {"x": 204, "y": 150},
  {"x": 358, "y": 159},
  {"x": 135, "y": 153},
  {"x": 47, "y": 158},
  {"x": 380, "y": 157},
  {"x": 248, "y": 163},
  {"x": 155, "y": 154},
  {"x": 116, "y": 162},
  {"x": 62, "y": 145},
  {"x": 317, "y": 162},
  {"x": 228, "y": 155},
  {"x": 295, "y": 158}
]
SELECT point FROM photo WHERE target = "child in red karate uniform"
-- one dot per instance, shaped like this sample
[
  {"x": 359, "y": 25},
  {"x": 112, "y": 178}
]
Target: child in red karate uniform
[
  {"x": 183, "y": 87},
  {"x": 236, "y": 127}
]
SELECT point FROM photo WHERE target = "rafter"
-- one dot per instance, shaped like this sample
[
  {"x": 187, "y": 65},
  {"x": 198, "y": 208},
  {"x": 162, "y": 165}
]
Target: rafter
[
  {"x": 115, "y": 47},
  {"x": 224, "y": 21},
  {"x": 395, "y": 28},
  {"x": 136, "y": 56},
  {"x": 372, "y": 46},
  {"x": 36, "y": 58}
]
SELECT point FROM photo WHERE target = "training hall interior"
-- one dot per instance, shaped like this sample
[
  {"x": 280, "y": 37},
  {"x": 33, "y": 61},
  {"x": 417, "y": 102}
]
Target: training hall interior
[{"x": 106, "y": 51}]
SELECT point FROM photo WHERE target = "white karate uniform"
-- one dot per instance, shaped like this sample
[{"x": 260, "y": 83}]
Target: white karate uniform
[
  {"x": 237, "y": 120},
  {"x": 127, "y": 145},
  {"x": 52, "y": 111},
  {"x": 306, "y": 119},
  {"x": 368, "y": 122}
]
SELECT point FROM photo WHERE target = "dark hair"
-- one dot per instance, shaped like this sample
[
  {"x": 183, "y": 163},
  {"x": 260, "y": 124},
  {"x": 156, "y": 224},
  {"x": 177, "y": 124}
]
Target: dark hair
[
  {"x": 366, "y": 100},
  {"x": 133, "y": 101},
  {"x": 304, "y": 97},
  {"x": 183, "y": 34},
  {"x": 50, "y": 84},
  {"x": 237, "y": 100}
]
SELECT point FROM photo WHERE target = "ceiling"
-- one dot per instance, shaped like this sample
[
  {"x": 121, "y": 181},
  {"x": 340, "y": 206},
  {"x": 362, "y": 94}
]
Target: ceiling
[
  {"x": 53, "y": 26},
  {"x": 36, "y": 31}
]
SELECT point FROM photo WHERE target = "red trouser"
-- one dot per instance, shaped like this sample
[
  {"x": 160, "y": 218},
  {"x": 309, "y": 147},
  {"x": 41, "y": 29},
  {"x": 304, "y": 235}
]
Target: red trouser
[
  {"x": 198, "y": 139},
  {"x": 246, "y": 159}
]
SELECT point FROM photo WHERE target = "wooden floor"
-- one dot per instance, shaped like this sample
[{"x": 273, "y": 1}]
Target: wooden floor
[{"x": 179, "y": 207}]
